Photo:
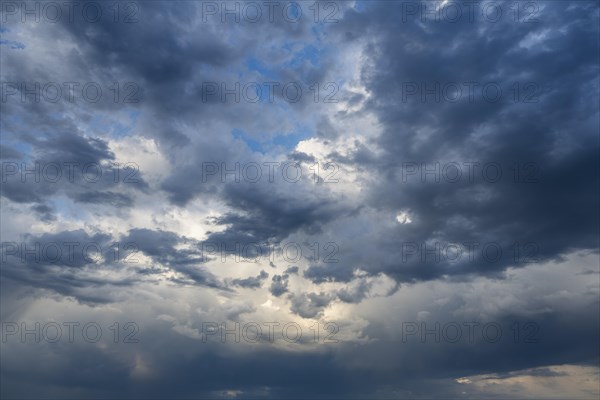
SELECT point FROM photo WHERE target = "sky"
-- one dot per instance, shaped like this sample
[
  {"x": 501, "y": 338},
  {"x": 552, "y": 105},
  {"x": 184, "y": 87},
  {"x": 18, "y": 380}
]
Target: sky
[{"x": 292, "y": 200}]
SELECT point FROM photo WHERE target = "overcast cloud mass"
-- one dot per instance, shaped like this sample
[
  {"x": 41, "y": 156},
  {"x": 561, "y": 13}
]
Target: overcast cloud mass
[{"x": 300, "y": 200}]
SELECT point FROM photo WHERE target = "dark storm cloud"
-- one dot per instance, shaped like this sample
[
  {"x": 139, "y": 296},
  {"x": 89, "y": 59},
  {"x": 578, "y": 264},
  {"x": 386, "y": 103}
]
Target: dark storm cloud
[
  {"x": 309, "y": 305},
  {"x": 63, "y": 248},
  {"x": 252, "y": 282},
  {"x": 175, "y": 373},
  {"x": 360, "y": 291},
  {"x": 61, "y": 262},
  {"x": 301, "y": 157},
  {"x": 546, "y": 339},
  {"x": 161, "y": 247},
  {"x": 67, "y": 145},
  {"x": 45, "y": 212},
  {"x": 342, "y": 272},
  {"x": 161, "y": 62},
  {"x": 115, "y": 199},
  {"x": 170, "y": 65},
  {"x": 192, "y": 178},
  {"x": 60, "y": 162},
  {"x": 170, "y": 59},
  {"x": 8, "y": 153},
  {"x": 279, "y": 285},
  {"x": 415, "y": 367},
  {"x": 65, "y": 262},
  {"x": 267, "y": 216},
  {"x": 557, "y": 134},
  {"x": 291, "y": 270}
]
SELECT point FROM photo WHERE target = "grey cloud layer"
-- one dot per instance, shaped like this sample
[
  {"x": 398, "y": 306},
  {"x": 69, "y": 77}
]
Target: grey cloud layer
[{"x": 169, "y": 53}]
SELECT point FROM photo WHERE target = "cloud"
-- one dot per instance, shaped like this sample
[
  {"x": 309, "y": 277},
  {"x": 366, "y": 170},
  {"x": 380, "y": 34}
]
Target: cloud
[
  {"x": 251, "y": 282},
  {"x": 279, "y": 285},
  {"x": 309, "y": 305},
  {"x": 395, "y": 243}
]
